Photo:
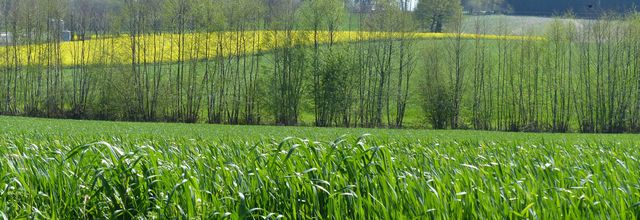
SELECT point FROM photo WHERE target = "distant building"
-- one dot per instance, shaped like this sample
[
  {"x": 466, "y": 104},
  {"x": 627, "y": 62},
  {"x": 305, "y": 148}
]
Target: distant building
[
  {"x": 6, "y": 38},
  {"x": 408, "y": 5},
  {"x": 66, "y": 35},
  {"x": 369, "y": 5}
]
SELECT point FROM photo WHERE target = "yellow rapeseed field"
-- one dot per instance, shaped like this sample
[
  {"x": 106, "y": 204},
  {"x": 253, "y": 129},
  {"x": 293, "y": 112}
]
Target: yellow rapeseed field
[{"x": 160, "y": 48}]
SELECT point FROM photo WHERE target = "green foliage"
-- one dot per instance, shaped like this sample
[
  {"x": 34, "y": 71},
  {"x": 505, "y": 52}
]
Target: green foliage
[
  {"x": 436, "y": 94},
  {"x": 379, "y": 19},
  {"x": 434, "y": 15},
  {"x": 290, "y": 68},
  {"x": 321, "y": 14},
  {"x": 62, "y": 169},
  {"x": 334, "y": 89}
]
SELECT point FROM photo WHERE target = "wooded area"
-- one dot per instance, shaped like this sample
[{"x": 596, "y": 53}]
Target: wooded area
[{"x": 584, "y": 79}]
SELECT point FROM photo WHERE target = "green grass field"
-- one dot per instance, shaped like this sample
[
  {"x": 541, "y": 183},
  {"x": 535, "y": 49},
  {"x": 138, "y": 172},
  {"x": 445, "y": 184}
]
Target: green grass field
[{"x": 63, "y": 169}]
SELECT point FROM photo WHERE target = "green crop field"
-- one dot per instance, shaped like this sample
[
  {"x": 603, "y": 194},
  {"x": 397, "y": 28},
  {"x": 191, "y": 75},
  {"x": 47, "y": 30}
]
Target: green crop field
[{"x": 64, "y": 169}]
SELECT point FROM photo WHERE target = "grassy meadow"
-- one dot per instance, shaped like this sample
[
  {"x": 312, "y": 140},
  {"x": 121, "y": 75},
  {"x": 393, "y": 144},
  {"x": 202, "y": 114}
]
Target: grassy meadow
[{"x": 66, "y": 169}]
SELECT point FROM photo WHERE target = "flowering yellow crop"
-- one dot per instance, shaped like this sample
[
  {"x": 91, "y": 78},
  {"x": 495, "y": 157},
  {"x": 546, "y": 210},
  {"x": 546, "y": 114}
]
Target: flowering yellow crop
[{"x": 160, "y": 48}]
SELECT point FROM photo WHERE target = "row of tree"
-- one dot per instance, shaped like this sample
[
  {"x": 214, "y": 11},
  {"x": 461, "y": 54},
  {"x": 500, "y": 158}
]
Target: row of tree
[
  {"x": 582, "y": 77},
  {"x": 234, "y": 83}
]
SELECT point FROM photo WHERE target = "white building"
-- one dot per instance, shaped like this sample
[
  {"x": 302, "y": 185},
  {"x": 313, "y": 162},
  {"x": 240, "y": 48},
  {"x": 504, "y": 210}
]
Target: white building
[
  {"x": 6, "y": 38},
  {"x": 408, "y": 5}
]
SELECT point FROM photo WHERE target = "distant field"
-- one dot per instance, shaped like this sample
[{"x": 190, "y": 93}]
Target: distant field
[
  {"x": 514, "y": 25},
  {"x": 164, "y": 48},
  {"x": 499, "y": 24},
  {"x": 64, "y": 169}
]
